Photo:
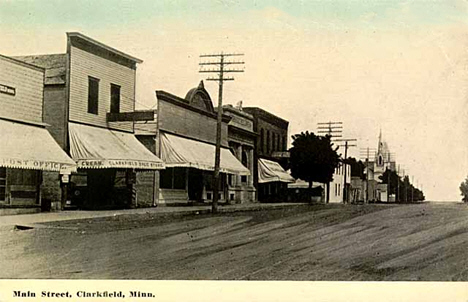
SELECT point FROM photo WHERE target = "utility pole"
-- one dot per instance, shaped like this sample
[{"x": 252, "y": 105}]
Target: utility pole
[
  {"x": 346, "y": 145},
  {"x": 220, "y": 70},
  {"x": 365, "y": 153},
  {"x": 397, "y": 197},
  {"x": 333, "y": 129}
]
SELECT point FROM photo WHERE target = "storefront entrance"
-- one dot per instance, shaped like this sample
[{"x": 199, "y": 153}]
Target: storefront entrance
[{"x": 195, "y": 185}]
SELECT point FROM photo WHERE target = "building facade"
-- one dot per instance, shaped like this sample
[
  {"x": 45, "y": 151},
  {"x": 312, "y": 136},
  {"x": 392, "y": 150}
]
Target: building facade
[
  {"x": 185, "y": 141},
  {"x": 89, "y": 103},
  {"x": 28, "y": 151},
  {"x": 270, "y": 156},
  {"x": 338, "y": 184},
  {"x": 241, "y": 140}
]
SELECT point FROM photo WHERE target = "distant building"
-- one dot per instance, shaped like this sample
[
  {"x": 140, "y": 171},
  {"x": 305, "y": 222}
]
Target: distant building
[
  {"x": 270, "y": 156},
  {"x": 338, "y": 183},
  {"x": 28, "y": 152},
  {"x": 383, "y": 160}
]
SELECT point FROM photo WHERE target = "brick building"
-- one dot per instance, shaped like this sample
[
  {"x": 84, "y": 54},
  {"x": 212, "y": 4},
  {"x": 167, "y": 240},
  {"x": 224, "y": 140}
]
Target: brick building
[
  {"x": 89, "y": 103},
  {"x": 28, "y": 151},
  {"x": 270, "y": 156},
  {"x": 185, "y": 141}
]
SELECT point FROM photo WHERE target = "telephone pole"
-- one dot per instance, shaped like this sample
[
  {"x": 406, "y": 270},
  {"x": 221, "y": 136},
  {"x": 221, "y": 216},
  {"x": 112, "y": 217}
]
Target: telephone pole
[
  {"x": 333, "y": 129},
  {"x": 219, "y": 68},
  {"x": 346, "y": 145},
  {"x": 366, "y": 154}
]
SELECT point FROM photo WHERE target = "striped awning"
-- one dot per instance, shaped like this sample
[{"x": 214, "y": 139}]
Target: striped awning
[
  {"x": 101, "y": 148},
  {"x": 270, "y": 171},
  {"x": 178, "y": 151},
  {"x": 25, "y": 146}
]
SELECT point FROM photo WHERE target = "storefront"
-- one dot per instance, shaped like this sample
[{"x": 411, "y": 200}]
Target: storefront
[
  {"x": 272, "y": 181},
  {"x": 189, "y": 169},
  {"x": 26, "y": 151},
  {"x": 107, "y": 161}
]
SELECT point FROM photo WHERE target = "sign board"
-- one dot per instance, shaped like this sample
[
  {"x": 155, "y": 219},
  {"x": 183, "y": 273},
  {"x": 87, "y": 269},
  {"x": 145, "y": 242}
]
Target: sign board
[
  {"x": 7, "y": 90},
  {"x": 142, "y": 115}
]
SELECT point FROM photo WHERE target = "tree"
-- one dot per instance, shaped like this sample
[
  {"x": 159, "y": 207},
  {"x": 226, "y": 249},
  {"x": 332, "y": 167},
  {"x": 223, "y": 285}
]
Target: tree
[
  {"x": 313, "y": 158},
  {"x": 357, "y": 168},
  {"x": 391, "y": 178},
  {"x": 464, "y": 190}
]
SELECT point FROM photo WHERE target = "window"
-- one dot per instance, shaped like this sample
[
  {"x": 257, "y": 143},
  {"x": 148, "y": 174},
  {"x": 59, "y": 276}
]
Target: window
[
  {"x": 285, "y": 143},
  {"x": 115, "y": 99},
  {"x": 172, "y": 178},
  {"x": 273, "y": 142},
  {"x": 268, "y": 142},
  {"x": 93, "y": 95},
  {"x": 245, "y": 162},
  {"x": 339, "y": 189},
  {"x": 262, "y": 140},
  {"x": 336, "y": 189}
]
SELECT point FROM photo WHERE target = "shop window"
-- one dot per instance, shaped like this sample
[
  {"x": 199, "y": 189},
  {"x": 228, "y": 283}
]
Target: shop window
[
  {"x": 23, "y": 177},
  {"x": 93, "y": 95},
  {"x": 115, "y": 99},
  {"x": 172, "y": 178}
]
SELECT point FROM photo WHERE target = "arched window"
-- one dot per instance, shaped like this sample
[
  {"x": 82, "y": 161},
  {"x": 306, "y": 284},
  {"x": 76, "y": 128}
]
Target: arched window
[
  {"x": 380, "y": 160},
  {"x": 262, "y": 140},
  {"x": 268, "y": 142}
]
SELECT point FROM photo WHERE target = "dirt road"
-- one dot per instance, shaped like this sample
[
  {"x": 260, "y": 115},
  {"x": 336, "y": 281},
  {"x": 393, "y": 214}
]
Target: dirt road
[{"x": 333, "y": 242}]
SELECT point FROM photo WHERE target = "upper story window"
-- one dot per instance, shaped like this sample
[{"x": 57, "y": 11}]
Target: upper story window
[
  {"x": 115, "y": 98},
  {"x": 93, "y": 95},
  {"x": 262, "y": 140},
  {"x": 285, "y": 143},
  {"x": 268, "y": 142}
]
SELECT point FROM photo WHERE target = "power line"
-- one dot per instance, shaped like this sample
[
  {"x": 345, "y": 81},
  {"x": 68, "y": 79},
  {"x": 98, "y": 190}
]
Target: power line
[{"x": 220, "y": 71}]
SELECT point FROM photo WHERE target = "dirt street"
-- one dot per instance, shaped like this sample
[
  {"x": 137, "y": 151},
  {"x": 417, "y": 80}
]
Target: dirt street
[{"x": 333, "y": 242}]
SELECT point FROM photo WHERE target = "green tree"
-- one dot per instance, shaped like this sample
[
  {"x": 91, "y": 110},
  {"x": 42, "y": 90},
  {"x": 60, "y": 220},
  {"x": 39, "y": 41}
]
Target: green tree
[
  {"x": 464, "y": 190},
  {"x": 313, "y": 158}
]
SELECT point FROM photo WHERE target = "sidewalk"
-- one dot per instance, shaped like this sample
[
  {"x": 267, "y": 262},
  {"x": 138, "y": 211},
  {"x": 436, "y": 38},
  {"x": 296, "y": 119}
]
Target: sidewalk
[{"x": 29, "y": 220}]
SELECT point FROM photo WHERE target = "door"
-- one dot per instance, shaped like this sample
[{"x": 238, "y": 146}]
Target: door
[{"x": 195, "y": 185}]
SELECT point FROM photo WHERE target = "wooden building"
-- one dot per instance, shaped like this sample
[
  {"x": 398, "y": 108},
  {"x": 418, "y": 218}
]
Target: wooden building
[
  {"x": 89, "y": 102},
  {"x": 185, "y": 141},
  {"x": 28, "y": 150}
]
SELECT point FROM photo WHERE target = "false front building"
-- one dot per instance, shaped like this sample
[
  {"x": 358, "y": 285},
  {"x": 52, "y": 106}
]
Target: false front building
[
  {"x": 89, "y": 103},
  {"x": 185, "y": 141},
  {"x": 28, "y": 151}
]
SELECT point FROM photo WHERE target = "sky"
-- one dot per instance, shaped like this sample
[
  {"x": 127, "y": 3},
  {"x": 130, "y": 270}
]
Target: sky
[{"x": 396, "y": 66}]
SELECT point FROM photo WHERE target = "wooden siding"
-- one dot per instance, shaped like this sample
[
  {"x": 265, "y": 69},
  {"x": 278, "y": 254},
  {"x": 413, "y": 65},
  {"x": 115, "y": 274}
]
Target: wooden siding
[
  {"x": 27, "y": 103},
  {"x": 83, "y": 65},
  {"x": 178, "y": 120}
]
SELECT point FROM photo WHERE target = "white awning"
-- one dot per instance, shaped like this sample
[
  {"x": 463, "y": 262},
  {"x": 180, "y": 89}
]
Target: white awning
[
  {"x": 31, "y": 147},
  {"x": 270, "y": 171},
  {"x": 100, "y": 148},
  {"x": 182, "y": 152}
]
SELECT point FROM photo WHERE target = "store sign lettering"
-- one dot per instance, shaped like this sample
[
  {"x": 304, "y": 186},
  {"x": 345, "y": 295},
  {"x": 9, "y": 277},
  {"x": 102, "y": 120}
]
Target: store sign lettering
[
  {"x": 34, "y": 164},
  {"x": 7, "y": 89},
  {"x": 118, "y": 164}
]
